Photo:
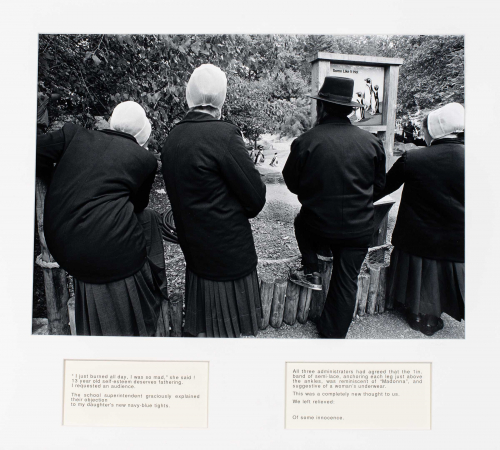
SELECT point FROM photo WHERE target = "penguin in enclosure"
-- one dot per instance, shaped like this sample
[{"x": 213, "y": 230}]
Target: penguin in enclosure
[
  {"x": 259, "y": 157},
  {"x": 360, "y": 112},
  {"x": 274, "y": 161},
  {"x": 377, "y": 100},
  {"x": 368, "y": 94}
]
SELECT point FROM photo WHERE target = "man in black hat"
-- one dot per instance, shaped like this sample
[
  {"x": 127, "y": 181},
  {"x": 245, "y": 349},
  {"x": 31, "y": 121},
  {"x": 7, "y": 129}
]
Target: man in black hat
[{"x": 335, "y": 169}]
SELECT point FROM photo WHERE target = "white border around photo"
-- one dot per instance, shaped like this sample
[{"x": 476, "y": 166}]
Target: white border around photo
[{"x": 247, "y": 377}]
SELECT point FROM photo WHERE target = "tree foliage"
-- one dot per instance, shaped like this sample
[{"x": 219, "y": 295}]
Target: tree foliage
[
  {"x": 268, "y": 75},
  {"x": 95, "y": 72},
  {"x": 433, "y": 73},
  {"x": 433, "y": 69}
]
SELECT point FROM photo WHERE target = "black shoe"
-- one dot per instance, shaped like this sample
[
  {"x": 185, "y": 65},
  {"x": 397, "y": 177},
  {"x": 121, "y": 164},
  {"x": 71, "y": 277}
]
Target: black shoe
[
  {"x": 310, "y": 281},
  {"x": 414, "y": 320},
  {"x": 429, "y": 330}
]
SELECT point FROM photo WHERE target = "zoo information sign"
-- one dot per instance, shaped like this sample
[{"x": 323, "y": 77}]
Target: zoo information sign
[{"x": 375, "y": 88}]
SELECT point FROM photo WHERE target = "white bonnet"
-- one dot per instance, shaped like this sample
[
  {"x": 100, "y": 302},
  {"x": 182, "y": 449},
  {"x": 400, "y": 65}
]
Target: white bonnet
[
  {"x": 206, "y": 87},
  {"x": 446, "y": 120},
  {"x": 130, "y": 117}
]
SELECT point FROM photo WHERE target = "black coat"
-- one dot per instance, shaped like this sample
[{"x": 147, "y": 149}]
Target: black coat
[
  {"x": 431, "y": 217},
  {"x": 101, "y": 179},
  {"x": 335, "y": 169},
  {"x": 214, "y": 189}
]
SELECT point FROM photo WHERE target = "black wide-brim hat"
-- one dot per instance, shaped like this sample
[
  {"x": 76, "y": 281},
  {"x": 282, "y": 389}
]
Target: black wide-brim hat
[{"x": 338, "y": 90}]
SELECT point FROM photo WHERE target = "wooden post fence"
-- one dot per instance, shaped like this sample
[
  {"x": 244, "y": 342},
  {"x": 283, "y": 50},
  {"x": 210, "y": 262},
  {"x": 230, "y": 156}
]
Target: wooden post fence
[
  {"x": 56, "y": 288},
  {"x": 282, "y": 301},
  {"x": 278, "y": 305}
]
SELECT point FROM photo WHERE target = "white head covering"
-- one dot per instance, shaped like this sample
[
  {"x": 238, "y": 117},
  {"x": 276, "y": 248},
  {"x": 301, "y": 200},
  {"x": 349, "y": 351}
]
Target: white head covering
[
  {"x": 446, "y": 120},
  {"x": 130, "y": 117},
  {"x": 206, "y": 87}
]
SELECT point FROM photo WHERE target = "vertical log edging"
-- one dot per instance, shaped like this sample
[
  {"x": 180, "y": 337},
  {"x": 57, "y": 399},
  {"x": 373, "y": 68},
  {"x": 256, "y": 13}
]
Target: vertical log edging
[
  {"x": 56, "y": 288},
  {"x": 291, "y": 303},
  {"x": 176, "y": 302},
  {"x": 266, "y": 298},
  {"x": 304, "y": 305},
  {"x": 163, "y": 325},
  {"x": 278, "y": 305},
  {"x": 318, "y": 298}
]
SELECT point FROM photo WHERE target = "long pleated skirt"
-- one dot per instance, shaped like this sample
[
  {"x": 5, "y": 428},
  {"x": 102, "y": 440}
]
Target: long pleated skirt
[
  {"x": 426, "y": 286},
  {"x": 131, "y": 306},
  {"x": 222, "y": 308}
]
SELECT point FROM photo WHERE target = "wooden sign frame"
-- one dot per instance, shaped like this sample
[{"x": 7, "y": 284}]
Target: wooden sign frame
[{"x": 321, "y": 68}]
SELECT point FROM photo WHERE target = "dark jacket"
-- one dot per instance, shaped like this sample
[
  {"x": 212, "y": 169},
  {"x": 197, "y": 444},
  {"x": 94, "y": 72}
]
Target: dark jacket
[
  {"x": 214, "y": 189},
  {"x": 335, "y": 169},
  {"x": 431, "y": 215},
  {"x": 101, "y": 179}
]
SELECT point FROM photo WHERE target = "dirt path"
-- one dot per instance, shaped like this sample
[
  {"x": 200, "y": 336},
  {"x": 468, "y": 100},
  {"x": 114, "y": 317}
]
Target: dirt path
[
  {"x": 389, "y": 325},
  {"x": 274, "y": 239}
]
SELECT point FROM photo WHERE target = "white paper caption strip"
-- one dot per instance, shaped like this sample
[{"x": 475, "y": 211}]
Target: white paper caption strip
[
  {"x": 389, "y": 396},
  {"x": 171, "y": 394}
]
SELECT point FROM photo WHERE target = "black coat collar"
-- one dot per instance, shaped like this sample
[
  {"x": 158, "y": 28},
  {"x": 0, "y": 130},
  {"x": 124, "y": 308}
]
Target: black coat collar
[
  {"x": 119, "y": 133},
  {"x": 196, "y": 116},
  {"x": 335, "y": 120},
  {"x": 456, "y": 140}
]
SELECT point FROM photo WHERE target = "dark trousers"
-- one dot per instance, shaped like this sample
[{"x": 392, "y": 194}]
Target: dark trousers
[{"x": 348, "y": 256}]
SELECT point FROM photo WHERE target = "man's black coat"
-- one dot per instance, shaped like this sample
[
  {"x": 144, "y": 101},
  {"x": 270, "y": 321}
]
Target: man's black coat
[
  {"x": 336, "y": 169},
  {"x": 214, "y": 188},
  {"x": 102, "y": 179}
]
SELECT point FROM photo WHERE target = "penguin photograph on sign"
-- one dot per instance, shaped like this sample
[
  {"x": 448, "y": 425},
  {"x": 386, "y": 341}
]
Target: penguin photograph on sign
[
  {"x": 368, "y": 88},
  {"x": 359, "y": 112},
  {"x": 376, "y": 100},
  {"x": 369, "y": 95}
]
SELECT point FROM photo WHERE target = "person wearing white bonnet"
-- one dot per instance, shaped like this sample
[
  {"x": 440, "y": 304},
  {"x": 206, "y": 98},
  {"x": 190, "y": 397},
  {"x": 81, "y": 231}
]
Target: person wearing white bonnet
[
  {"x": 206, "y": 89},
  {"x": 97, "y": 224},
  {"x": 214, "y": 188},
  {"x": 129, "y": 117},
  {"x": 444, "y": 122},
  {"x": 427, "y": 271}
]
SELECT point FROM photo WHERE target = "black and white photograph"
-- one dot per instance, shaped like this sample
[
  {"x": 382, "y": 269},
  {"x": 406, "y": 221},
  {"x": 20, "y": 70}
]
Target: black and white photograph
[
  {"x": 289, "y": 174},
  {"x": 250, "y": 185}
]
